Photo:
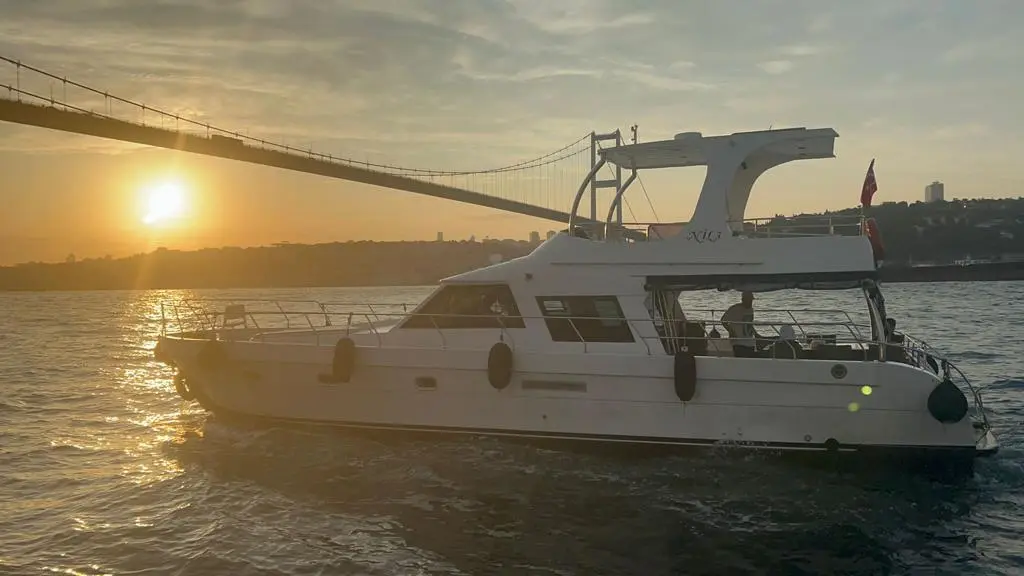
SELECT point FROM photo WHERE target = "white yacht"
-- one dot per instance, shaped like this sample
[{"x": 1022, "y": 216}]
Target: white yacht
[{"x": 594, "y": 337}]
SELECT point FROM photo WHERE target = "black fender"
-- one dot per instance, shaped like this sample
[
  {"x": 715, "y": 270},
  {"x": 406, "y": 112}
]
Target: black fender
[
  {"x": 212, "y": 356},
  {"x": 343, "y": 364},
  {"x": 685, "y": 375},
  {"x": 499, "y": 365},
  {"x": 947, "y": 403}
]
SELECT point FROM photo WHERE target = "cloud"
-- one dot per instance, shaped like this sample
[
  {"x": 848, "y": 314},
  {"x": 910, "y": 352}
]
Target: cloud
[
  {"x": 776, "y": 66},
  {"x": 340, "y": 73},
  {"x": 987, "y": 49},
  {"x": 768, "y": 105},
  {"x": 820, "y": 23},
  {"x": 801, "y": 50},
  {"x": 965, "y": 130},
  {"x": 576, "y": 17},
  {"x": 473, "y": 82}
]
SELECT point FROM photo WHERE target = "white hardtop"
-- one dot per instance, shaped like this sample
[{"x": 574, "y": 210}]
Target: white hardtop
[
  {"x": 734, "y": 163},
  {"x": 716, "y": 241}
]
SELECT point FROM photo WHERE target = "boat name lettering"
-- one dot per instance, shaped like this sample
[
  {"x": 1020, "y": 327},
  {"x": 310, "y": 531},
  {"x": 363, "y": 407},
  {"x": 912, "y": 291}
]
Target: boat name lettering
[{"x": 704, "y": 235}]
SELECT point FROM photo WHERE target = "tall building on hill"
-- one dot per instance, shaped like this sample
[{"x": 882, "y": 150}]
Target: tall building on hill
[
  {"x": 935, "y": 192},
  {"x": 535, "y": 237},
  {"x": 440, "y": 236}
]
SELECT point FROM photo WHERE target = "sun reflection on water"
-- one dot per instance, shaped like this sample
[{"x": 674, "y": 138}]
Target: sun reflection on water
[
  {"x": 81, "y": 525},
  {"x": 141, "y": 399},
  {"x": 158, "y": 470},
  {"x": 95, "y": 571},
  {"x": 93, "y": 443}
]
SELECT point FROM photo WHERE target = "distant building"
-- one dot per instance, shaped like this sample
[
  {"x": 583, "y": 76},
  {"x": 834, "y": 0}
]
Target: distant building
[
  {"x": 440, "y": 236},
  {"x": 935, "y": 192},
  {"x": 551, "y": 234},
  {"x": 535, "y": 237}
]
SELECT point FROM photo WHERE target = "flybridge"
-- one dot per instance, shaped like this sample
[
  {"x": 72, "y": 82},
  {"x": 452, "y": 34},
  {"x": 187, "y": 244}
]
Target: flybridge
[{"x": 734, "y": 162}]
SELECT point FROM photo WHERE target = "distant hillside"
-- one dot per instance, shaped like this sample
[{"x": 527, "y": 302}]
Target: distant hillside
[
  {"x": 283, "y": 265},
  {"x": 940, "y": 232}
]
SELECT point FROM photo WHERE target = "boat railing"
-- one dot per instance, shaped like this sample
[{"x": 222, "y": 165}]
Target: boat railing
[
  {"x": 836, "y": 339},
  {"x": 953, "y": 372},
  {"x": 798, "y": 226},
  {"x": 774, "y": 227},
  {"x": 254, "y": 318},
  {"x": 807, "y": 322},
  {"x": 264, "y": 315},
  {"x": 924, "y": 356},
  {"x": 851, "y": 343},
  {"x": 816, "y": 333}
]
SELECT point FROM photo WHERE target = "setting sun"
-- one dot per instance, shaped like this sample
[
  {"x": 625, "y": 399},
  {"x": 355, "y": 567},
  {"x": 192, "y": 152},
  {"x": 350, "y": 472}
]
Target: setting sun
[{"x": 165, "y": 201}]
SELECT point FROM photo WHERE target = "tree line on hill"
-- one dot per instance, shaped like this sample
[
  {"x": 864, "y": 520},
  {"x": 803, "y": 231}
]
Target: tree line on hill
[
  {"x": 281, "y": 265},
  {"x": 937, "y": 232}
]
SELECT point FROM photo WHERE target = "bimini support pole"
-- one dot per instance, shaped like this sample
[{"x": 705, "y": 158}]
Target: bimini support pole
[
  {"x": 582, "y": 190},
  {"x": 616, "y": 206}
]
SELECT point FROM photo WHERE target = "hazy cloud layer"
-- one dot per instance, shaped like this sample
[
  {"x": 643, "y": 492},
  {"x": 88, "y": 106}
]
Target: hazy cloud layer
[{"x": 512, "y": 75}]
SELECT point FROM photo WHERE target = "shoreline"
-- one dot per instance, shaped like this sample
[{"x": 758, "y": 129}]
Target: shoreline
[
  {"x": 355, "y": 266},
  {"x": 987, "y": 272},
  {"x": 892, "y": 277}
]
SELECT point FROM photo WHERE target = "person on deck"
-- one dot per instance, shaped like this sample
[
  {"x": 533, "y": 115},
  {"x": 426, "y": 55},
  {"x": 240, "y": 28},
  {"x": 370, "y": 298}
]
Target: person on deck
[
  {"x": 739, "y": 321},
  {"x": 894, "y": 351},
  {"x": 786, "y": 346}
]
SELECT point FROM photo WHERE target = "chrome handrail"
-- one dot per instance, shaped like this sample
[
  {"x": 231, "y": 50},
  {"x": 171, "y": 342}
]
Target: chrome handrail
[
  {"x": 319, "y": 320},
  {"x": 807, "y": 226},
  {"x": 845, "y": 334},
  {"x": 979, "y": 404},
  {"x": 834, "y": 225},
  {"x": 919, "y": 352},
  {"x": 444, "y": 342}
]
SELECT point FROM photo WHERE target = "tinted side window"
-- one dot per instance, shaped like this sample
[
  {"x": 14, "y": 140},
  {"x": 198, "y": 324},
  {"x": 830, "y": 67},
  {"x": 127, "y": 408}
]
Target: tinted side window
[
  {"x": 594, "y": 318},
  {"x": 468, "y": 306}
]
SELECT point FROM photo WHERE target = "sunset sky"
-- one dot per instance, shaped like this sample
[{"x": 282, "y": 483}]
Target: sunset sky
[{"x": 931, "y": 88}]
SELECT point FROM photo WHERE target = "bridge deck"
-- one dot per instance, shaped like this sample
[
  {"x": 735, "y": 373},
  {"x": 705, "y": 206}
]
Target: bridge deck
[{"x": 105, "y": 127}]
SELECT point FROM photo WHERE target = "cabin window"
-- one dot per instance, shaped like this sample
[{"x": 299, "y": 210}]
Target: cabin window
[
  {"x": 594, "y": 318},
  {"x": 468, "y": 306}
]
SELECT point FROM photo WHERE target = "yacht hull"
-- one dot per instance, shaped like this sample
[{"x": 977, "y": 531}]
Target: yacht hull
[{"x": 799, "y": 406}]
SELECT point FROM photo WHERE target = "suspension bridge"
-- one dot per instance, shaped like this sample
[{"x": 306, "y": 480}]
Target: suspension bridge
[{"x": 541, "y": 187}]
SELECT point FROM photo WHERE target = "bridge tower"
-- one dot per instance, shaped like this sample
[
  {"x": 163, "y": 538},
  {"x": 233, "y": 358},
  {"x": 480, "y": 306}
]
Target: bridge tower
[{"x": 595, "y": 183}]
